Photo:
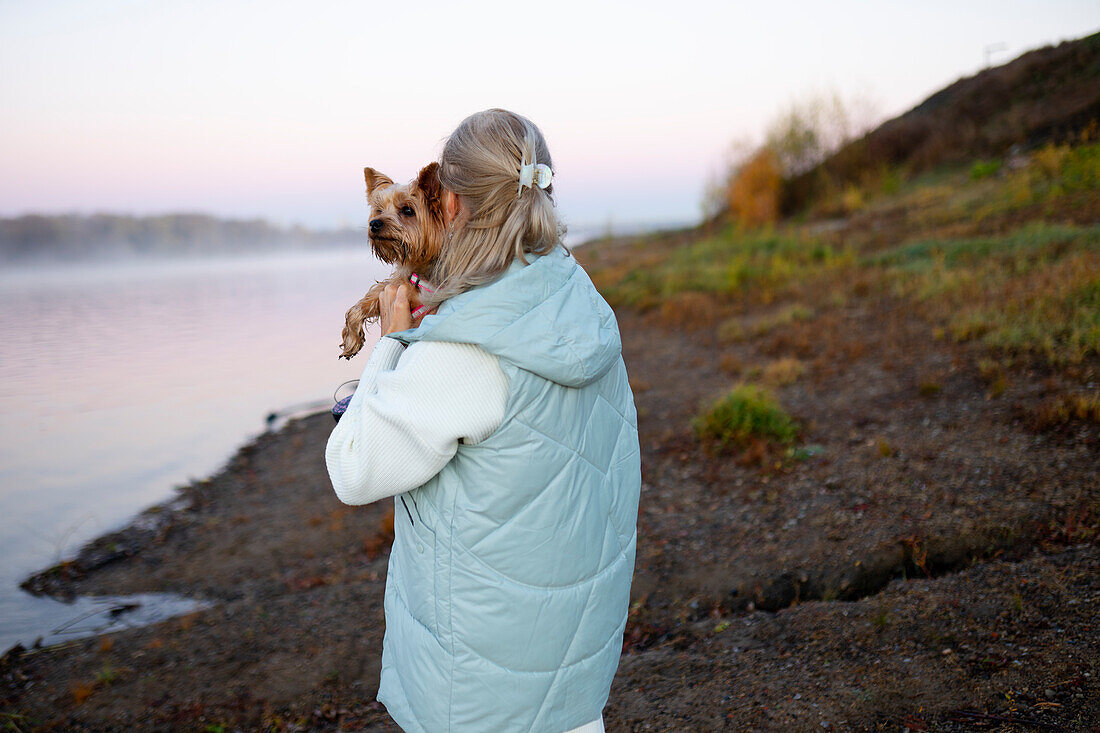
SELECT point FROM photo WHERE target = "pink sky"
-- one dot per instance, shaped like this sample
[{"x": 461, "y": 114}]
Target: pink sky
[{"x": 272, "y": 109}]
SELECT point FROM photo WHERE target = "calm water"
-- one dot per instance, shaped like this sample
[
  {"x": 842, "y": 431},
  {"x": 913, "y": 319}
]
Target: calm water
[{"x": 118, "y": 383}]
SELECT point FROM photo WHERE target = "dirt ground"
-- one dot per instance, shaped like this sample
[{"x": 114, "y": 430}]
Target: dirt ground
[{"x": 928, "y": 562}]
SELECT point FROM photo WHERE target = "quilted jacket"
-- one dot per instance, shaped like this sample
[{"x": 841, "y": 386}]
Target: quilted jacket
[{"x": 509, "y": 577}]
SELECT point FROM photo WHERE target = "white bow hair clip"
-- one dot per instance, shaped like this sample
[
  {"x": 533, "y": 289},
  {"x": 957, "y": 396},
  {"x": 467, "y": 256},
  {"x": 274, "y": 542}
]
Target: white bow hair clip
[{"x": 533, "y": 174}]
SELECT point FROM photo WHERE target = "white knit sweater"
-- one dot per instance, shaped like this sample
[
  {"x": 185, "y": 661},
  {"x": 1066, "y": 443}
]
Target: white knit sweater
[
  {"x": 412, "y": 407},
  {"x": 408, "y": 413}
]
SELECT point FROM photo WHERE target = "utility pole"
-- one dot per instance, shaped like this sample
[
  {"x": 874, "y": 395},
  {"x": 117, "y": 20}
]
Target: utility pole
[{"x": 991, "y": 49}]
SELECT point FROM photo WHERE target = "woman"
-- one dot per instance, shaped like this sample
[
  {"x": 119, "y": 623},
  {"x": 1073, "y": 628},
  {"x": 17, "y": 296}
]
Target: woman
[{"x": 505, "y": 428}]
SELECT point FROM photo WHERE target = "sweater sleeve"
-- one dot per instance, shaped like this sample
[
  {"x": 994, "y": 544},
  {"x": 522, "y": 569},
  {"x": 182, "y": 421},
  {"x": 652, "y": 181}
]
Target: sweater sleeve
[{"x": 408, "y": 413}]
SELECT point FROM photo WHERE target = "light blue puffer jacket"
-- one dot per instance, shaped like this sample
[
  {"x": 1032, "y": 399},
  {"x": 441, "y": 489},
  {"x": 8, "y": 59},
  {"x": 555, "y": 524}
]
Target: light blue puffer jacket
[{"x": 509, "y": 577}]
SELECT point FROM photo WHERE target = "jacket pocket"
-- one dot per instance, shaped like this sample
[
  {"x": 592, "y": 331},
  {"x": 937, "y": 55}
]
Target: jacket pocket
[{"x": 414, "y": 552}]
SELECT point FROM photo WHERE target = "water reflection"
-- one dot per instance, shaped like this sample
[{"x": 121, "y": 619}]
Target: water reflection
[
  {"x": 83, "y": 616},
  {"x": 118, "y": 383}
]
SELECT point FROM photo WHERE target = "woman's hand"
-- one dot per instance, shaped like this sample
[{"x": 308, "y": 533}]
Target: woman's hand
[{"x": 395, "y": 309}]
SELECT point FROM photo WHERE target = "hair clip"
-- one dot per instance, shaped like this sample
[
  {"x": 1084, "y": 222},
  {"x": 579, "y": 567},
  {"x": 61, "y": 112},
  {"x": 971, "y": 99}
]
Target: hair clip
[{"x": 533, "y": 174}]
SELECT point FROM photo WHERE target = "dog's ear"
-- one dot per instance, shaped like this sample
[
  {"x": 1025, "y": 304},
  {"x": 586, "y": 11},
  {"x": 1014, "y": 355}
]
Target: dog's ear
[
  {"x": 375, "y": 179},
  {"x": 428, "y": 182}
]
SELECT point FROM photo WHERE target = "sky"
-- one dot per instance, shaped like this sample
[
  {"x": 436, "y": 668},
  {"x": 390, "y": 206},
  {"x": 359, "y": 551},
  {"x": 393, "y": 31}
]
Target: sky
[{"x": 272, "y": 109}]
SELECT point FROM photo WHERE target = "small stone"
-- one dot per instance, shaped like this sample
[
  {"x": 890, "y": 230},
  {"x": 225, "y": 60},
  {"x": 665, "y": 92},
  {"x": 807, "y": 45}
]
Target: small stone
[{"x": 1048, "y": 693}]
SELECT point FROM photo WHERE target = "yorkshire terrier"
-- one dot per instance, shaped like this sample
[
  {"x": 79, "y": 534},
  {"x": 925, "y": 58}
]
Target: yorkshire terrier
[{"x": 406, "y": 230}]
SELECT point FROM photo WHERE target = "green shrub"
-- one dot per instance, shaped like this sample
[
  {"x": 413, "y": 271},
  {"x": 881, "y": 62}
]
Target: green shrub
[
  {"x": 891, "y": 181},
  {"x": 984, "y": 169},
  {"x": 748, "y": 412},
  {"x": 1080, "y": 170}
]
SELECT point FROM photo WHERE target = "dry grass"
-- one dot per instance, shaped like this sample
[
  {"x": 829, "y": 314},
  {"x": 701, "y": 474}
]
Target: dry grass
[
  {"x": 1066, "y": 409},
  {"x": 1034, "y": 291},
  {"x": 1008, "y": 255},
  {"x": 735, "y": 264},
  {"x": 782, "y": 372}
]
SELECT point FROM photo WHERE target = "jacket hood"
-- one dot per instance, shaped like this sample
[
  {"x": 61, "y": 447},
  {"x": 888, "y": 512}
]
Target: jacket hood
[{"x": 546, "y": 317}]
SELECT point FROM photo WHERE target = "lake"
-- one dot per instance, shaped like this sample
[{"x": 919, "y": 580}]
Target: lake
[{"x": 120, "y": 382}]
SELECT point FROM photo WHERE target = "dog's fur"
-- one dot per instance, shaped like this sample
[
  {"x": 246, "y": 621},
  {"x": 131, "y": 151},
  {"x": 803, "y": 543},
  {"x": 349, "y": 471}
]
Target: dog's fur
[{"x": 406, "y": 230}]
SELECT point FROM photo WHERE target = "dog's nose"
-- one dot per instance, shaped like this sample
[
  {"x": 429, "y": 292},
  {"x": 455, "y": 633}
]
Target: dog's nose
[{"x": 376, "y": 225}]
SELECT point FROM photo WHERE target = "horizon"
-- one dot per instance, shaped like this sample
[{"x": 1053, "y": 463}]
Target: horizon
[{"x": 128, "y": 109}]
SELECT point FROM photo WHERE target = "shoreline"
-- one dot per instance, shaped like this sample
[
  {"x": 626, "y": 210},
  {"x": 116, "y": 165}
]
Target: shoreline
[
  {"x": 154, "y": 524},
  {"x": 150, "y": 525},
  {"x": 738, "y": 617}
]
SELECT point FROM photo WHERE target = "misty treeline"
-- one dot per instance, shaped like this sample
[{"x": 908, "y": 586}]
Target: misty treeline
[{"x": 80, "y": 237}]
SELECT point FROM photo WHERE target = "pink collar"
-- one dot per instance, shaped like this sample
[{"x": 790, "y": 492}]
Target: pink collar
[{"x": 419, "y": 283}]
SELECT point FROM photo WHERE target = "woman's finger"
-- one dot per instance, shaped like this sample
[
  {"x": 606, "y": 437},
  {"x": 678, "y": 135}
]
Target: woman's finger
[
  {"x": 385, "y": 308},
  {"x": 386, "y": 298},
  {"x": 400, "y": 316}
]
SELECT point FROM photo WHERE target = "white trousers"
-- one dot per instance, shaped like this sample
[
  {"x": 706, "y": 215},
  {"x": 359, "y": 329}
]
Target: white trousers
[{"x": 596, "y": 726}]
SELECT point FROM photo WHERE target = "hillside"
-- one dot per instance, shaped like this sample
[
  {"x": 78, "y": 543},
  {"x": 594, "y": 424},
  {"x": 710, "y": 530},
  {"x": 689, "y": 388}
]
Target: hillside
[
  {"x": 878, "y": 420},
  {"x": 1050, "y": 94}
]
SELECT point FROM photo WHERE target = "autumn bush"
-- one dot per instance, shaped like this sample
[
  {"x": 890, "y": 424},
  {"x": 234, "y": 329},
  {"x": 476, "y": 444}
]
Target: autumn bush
[
  {"x": 748, "y": 412},
  {"x": 754, "y": 188},
  {"x": 797, "y": 139}
]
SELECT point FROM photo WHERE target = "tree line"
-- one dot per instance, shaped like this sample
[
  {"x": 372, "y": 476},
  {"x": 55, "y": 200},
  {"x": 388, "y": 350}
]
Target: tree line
[{"x": 38, "y": 237}]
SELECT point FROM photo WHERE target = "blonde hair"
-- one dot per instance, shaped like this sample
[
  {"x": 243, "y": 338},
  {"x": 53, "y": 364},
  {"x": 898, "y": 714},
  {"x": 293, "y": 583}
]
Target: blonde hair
[{"x": 480, "y": 162}]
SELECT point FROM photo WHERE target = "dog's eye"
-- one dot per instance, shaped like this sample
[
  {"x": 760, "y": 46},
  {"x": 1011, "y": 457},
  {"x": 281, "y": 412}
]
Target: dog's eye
[{"x": 407, "y": 211}]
